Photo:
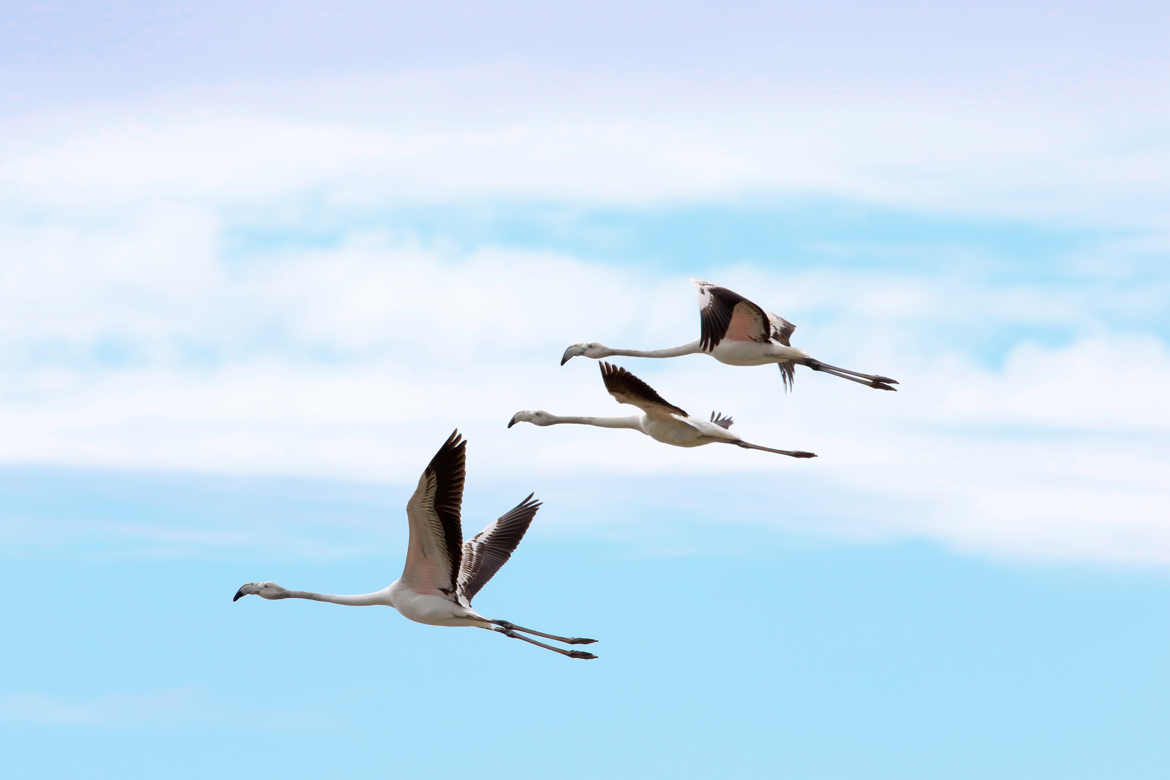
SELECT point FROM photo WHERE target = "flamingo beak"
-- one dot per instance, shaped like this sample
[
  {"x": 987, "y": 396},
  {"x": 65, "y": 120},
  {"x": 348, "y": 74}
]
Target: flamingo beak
[
  {"x": 571, "y": 352},
  {"x": 512, "y": 421},
  {"x": 239, "y": 595}
]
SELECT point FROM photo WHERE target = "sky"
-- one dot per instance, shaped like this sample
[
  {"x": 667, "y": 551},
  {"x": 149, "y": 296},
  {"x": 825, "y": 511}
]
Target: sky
[{"x": 256, "y": 264}]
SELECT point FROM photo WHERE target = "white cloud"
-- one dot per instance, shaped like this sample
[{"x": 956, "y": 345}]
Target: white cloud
[
  {"x": 1057, "y": 452},
  {"x": 353, "y": 360},
  {"x": 470, "y": 133}
]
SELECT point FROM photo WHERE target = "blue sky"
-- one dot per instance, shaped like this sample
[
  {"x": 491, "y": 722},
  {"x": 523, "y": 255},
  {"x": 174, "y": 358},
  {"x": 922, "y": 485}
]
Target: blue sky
[{"x": 257, "y": 265}]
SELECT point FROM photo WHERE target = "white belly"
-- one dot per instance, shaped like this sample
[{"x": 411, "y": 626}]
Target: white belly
[
  {"x": 431, "y": 609},
  {"x": 672, "y": 432},
  {"x": 753, "y": 353}
]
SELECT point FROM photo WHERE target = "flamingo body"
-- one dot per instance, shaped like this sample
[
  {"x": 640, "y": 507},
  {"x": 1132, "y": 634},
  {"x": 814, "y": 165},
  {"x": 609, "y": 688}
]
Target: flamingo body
[
  {"x": 660, "y": 419},
  {"x": 432, "y": 609},
  {"x": 754, "y": 353},
  {"x": 443, "y": 572},
  {"x": 737, "y": 332}
]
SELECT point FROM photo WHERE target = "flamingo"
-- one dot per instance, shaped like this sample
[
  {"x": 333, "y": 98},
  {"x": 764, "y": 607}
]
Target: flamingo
[
  {"x": 660, "y": 420},
  {"x": 735, "y": 331},
  {"x": 443, "y": 572}
]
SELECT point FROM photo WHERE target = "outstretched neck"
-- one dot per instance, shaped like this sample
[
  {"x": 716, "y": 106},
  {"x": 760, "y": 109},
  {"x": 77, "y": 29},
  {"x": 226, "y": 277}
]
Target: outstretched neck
[
  {"x": 353, "y": 600},
  {"x": 600, "y": 422},
  {"x": 690, "y": 348}
]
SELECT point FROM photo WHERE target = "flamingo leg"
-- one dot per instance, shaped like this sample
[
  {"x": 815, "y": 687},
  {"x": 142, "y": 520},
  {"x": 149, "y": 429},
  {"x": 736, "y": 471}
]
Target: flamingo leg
[
  {"x": 570, "y": 653},
  {"x": 871, "y": 380},
  {"x": 789, "y": 453},
  {"x": 569, "y": 640}
]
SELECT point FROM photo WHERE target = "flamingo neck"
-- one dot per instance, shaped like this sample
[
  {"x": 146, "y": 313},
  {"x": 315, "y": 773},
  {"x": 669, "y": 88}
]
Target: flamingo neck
[
  {"x": 378, "y": 597},
  {"x": 600, "y": 422},
  {"x": 690, "y": 348}
]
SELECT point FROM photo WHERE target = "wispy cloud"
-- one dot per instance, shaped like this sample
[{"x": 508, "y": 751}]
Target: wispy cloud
[
  {"x": 129, "y": 339},
  {"x": 490, "y": 132},
  {"x": 348, "y": 362}
]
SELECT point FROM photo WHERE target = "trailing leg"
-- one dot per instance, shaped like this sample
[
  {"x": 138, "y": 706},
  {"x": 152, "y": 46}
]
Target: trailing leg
[
  {"x": 570, "y": 653},
  {"x": 870, "y": 380},
  {"x": 569, "y": 640},
  {"x": 789, "y": 453}
]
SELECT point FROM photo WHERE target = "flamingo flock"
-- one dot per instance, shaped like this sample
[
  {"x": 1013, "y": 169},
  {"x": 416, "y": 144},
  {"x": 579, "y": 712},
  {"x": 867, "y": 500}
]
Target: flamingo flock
[{"x": 443, "y": 572}]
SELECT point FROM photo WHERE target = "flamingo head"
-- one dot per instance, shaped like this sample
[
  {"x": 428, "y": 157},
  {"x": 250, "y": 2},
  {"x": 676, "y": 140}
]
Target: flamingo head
[
  {"x": 265, "y": 590},
  {"x": 588, "y": 349},
  {"x": 536, "y": 418}
]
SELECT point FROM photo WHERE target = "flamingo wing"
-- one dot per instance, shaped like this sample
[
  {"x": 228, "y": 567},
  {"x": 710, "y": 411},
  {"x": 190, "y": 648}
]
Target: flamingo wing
[
  {"x": 781, "y": 329},
  {"x": 724, "y": 314},
  {"x": 629, "y": 389},
  {"x": 722, "y": 420},
  {"x": 488, "y": 550},
  {"x": 436, "y": 534}
]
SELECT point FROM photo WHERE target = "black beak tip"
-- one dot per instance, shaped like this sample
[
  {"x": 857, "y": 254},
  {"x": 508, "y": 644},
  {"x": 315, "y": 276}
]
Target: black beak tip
[
  {"x": 564, "y": 360},
  {"x": 511, "y": 422},
  {"x": 239, "y": 595}
]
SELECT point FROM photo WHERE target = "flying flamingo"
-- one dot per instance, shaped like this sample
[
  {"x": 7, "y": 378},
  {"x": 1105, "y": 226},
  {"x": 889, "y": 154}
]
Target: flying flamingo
[
  {"x": 443, "y": 572},
  {"x": 661, "y": 420},
  {"x": 735, "y": 331}
]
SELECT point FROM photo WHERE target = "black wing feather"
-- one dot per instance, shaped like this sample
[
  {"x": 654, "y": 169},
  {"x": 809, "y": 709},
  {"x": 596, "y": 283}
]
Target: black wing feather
[
  {"x": 618, "y": 380},
  {"x": 449, "y": 470},
  {"x": 488, "y": 550},
  {"x": 715, "y": 317},
  {"x": 782, "y": 329},
  {"x": 787, "y": 374}
]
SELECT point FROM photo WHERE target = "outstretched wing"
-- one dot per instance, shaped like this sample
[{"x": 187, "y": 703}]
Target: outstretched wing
[
  {"x": 724, "y": 314},
  {"x": 722, "y": 420},
  {"x": 436, "y": 535},
  {"x": 781, "y": 329},
  {"x": 488, "y": 550},
  {"x": 629, "y": 389}
]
